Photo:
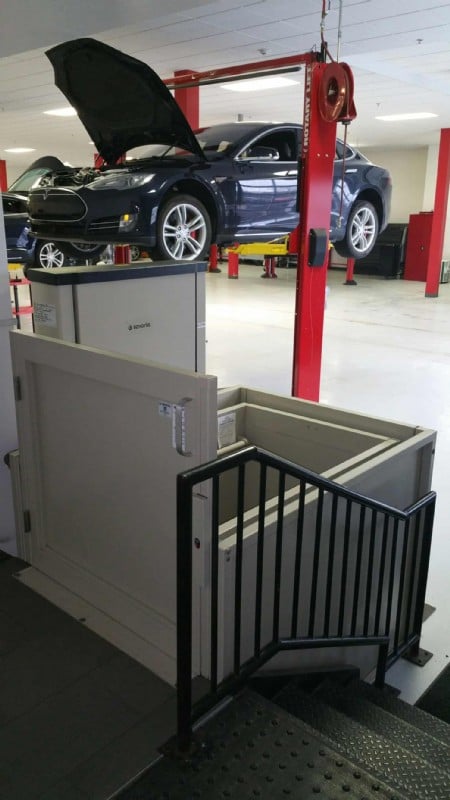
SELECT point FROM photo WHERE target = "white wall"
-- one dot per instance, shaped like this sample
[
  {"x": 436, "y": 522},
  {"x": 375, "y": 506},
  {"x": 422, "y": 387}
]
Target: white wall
[
  {"x": 408, "y": 169},
  {"x": 413, "y": 173}
]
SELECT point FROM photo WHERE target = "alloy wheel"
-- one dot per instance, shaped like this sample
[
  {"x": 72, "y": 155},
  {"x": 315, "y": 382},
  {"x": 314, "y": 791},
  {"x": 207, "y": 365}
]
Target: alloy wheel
[
  {"x": 50, "y": 256},
  {"x": 184, "y": 232},
  {"x": 363, "y": 229}
]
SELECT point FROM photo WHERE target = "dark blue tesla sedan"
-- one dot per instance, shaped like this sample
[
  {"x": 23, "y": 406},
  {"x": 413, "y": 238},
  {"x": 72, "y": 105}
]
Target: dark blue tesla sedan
[{"x": 179, "y": 191}]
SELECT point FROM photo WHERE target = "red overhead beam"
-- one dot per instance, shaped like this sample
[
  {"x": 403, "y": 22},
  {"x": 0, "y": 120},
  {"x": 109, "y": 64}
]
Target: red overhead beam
[{"x": 252, "y": 70}]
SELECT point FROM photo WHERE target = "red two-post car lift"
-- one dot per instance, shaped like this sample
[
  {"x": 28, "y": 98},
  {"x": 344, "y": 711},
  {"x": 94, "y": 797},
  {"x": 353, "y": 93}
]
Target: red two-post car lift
[{"x": 328, "y": 99}]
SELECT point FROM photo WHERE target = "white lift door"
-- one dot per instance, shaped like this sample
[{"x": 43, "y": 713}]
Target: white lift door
[{"x": 98, "y": 438}]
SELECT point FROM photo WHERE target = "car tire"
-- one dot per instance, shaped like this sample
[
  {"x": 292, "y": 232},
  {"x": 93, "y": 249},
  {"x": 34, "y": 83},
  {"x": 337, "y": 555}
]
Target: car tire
[
  {"x": 81, "y": 251},
  {"x": 361, "y": 231},
  {"x": 183, "y": 230},
  {"x": 48, "y": 255},
  {"x": 135, "y": 252}
]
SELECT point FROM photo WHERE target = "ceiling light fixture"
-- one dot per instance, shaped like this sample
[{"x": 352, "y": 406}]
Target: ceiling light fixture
[
  {"x": 402, "y": 117},
  {"x": 20, "y": 149},
  {"x": 259, "y": 84},
  {"x": 67, "y": 111}
]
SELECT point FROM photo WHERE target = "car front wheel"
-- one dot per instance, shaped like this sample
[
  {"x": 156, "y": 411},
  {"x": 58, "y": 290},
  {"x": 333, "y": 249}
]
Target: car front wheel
[
  {"x": 49, "y": 256},
  {"x": 361, "y": 232},
  {"x": 183, "y": 229}
]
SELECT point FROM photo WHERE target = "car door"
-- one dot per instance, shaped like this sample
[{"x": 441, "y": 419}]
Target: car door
[
  {"x": 266, "y": 191},
  {"x": 346, "y": 185}
]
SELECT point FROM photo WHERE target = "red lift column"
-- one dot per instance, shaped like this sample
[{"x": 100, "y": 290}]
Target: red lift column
[
  {"x": 189, "y": 100},
  {"x": 439, "y": 216},
  {"x": 318, "y": 151},
  {"x": 3, "y": 178}
]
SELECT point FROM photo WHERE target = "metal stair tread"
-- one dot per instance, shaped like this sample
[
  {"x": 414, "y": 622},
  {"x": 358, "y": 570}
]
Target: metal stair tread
[
  {"x": 254, "y": 749},
  {"x": 385, "y": 724},
  {"x": 430, "y": 725},
  {"x": 388, "y": 761}
]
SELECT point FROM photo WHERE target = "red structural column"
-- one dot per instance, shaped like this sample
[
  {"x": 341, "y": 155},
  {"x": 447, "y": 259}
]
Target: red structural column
[
  {"x": 439, "y": 216},
  {"x": 3, "y": 176},
  {"x": 318, "y": 149},
  {"x": 189, "y": 100}
]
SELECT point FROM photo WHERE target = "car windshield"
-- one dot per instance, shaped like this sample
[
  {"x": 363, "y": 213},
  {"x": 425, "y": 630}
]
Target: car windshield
[
  {"x": 217, "y": 139},
  {"x": 29, "y": 180},
  {"x": 220, "y": 139},
  {"x": 214, "y": 141}
]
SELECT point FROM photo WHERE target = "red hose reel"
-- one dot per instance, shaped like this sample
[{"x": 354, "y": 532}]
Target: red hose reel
[{"x": 335, "y": 95}]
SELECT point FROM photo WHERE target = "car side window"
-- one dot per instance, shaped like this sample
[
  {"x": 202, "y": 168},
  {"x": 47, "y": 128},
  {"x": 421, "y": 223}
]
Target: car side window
[
  {"x": 282, "y": 144},
  {"x": 340, "y": 150}
]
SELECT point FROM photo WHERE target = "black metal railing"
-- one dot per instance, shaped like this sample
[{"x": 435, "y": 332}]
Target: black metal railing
[{"x": 312, "y": 565}]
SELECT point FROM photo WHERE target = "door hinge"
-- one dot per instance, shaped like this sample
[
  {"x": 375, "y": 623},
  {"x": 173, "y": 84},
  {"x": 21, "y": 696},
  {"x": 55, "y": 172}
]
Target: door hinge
[
  {"x": 17, "y": 388},
  {"x": 26, "y": 521}
]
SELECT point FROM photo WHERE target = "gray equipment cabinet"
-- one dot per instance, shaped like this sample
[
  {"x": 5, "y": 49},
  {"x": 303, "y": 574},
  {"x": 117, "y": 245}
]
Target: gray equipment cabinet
[{"x": 152, "y": 311}]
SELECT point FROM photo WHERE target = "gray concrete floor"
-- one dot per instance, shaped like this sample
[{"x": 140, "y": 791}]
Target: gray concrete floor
[{"x": 386, "y": 353}]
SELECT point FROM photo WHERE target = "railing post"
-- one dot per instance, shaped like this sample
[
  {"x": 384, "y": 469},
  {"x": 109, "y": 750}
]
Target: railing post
[
  {"x": 414, "y": 653},
  {"x": 184, "y": 613},
  {"x": 383, "y": 652}
]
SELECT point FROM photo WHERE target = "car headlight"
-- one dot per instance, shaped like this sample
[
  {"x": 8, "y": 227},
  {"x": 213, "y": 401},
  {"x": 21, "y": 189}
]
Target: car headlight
[
  {"x": 127, "y": 222},
  {"x": 119, "y": 181}
]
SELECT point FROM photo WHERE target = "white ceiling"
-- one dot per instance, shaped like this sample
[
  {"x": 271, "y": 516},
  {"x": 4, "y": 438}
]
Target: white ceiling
[{"x": 398, "y": 50}]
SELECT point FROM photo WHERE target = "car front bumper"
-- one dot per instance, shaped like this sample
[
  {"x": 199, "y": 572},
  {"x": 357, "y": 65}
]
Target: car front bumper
[{"x": 91, "y": 216}]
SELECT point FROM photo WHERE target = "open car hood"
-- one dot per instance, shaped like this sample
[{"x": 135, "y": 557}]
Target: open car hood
[{"x": 121, "y": 102}]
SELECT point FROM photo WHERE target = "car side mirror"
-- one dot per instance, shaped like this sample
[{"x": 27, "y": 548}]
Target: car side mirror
[{"x": 263, "y": 153}]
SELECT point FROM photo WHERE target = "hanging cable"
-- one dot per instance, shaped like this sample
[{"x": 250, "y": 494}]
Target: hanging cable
[
  {"x": 339, "y": 41},
  {"x": 324, "y": 48}
]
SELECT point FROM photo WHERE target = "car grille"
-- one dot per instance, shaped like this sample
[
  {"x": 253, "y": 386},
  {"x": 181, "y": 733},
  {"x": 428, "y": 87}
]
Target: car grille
[
  {"x": 110, "y": 224},
  {"x": 56, "y": 205}
]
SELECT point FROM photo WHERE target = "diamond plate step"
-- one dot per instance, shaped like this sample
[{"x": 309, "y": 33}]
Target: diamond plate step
[
  {"x": 433, "y": 726},
  {"x": 257, "y": 750},
  {"x": 382, "y": 722},
  {"x": 402, "y": 769}
]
